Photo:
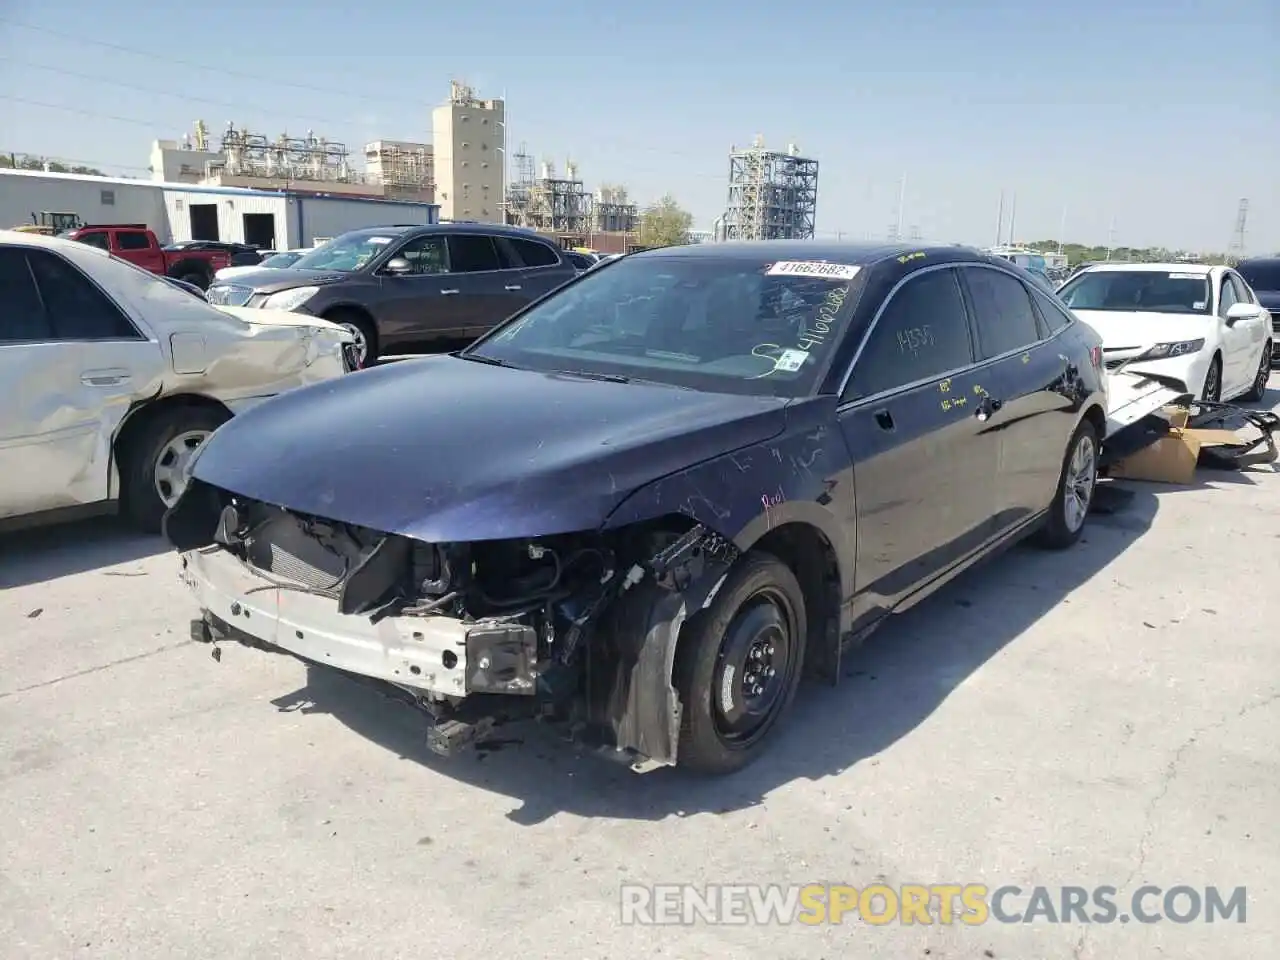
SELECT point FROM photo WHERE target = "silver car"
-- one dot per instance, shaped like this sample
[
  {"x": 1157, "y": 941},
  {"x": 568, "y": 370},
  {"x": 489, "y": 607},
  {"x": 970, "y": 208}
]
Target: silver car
[{"x": 110, "y": 378}]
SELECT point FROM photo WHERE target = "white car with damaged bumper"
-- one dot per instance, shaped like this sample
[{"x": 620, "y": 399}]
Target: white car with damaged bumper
[
  {"x": 113, "y": 377},
  {"x": 1196, "y": 324}
]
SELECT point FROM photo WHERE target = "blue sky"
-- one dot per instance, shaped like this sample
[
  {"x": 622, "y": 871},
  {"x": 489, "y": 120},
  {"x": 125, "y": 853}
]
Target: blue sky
[{"x": 1158, "y": 117}]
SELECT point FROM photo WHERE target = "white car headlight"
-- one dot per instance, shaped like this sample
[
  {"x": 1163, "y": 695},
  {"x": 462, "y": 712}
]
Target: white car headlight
[
  {"x": 289, "y": 299},
  {"x": 1180, "y": 348}
]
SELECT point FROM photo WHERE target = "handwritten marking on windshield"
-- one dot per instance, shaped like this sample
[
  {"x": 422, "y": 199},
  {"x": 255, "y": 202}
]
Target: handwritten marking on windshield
[
  {"x": 815, "y": 334},
  {"x": 908, "y": 257},
  {"x": 786, "y": 361}
]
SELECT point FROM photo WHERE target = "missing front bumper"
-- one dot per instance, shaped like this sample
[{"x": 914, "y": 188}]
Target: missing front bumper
[{"x": 435, "y": 655}]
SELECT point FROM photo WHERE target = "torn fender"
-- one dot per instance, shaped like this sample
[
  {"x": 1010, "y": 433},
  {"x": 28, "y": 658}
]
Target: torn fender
[{"x": 634, "y": 696}]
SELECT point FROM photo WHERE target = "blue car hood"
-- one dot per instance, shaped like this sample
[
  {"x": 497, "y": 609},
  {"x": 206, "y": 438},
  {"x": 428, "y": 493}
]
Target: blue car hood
[
  {"x": 444, "y": 449},
  {"x": 1269, "y": 298}
]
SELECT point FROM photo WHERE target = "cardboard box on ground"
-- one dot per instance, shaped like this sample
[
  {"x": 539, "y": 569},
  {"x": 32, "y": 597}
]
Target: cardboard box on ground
[{"x": 1172, "y": 458}]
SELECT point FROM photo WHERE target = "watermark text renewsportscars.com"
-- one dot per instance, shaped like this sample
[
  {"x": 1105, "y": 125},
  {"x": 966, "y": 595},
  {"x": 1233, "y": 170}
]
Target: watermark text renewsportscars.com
[{"x": 971, "y": 904}]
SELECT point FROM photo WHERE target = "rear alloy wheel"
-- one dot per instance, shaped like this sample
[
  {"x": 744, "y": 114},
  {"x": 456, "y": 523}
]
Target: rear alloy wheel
[
  {"x": 1259, "y": 388},
  {"x": 739, "y": 666},
  {"x": 1212, "y": 392},
  {"x": 153, "y": 465},
  {"x": 1079, "y": 477}
]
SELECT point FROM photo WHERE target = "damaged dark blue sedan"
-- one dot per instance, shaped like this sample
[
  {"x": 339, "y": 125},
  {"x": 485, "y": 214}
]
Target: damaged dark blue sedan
[{"x": 651, "y": 501}]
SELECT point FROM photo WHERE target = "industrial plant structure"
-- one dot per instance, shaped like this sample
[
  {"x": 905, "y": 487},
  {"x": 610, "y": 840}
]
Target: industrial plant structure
[
  {"x": 772, "y": 196},
  {"x": 396, "y": 170},
  {"x": 562, "y": 207}
]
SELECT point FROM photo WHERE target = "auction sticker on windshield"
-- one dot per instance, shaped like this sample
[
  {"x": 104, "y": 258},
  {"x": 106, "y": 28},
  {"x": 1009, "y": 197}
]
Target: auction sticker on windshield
[
  {"x": 813, "y": 268},
  {"x": 379, "y": 240},
  {"x": 1186, "y": 276}
]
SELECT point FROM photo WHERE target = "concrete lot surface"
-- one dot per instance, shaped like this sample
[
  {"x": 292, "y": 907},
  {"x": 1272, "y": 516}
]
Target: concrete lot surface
[{"x": 1110, "y": 715}]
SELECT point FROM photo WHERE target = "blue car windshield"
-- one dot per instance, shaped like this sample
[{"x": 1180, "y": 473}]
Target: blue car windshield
[{"x": 724, "y": 324}]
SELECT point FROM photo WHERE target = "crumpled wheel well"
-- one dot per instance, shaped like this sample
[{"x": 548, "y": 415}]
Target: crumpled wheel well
[
  {"x": 141, "y": 416},
  {"x": 631, "y": 685}
]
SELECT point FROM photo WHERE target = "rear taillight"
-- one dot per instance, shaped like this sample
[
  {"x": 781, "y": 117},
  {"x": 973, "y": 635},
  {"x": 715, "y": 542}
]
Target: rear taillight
[{"x": 1095, "y": 356}]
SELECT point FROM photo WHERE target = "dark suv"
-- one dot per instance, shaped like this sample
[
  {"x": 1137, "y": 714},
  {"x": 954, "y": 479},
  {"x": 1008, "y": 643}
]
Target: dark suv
[
  {"x": 409, "y": 286},
  {"x": 1263, "y": 274}
]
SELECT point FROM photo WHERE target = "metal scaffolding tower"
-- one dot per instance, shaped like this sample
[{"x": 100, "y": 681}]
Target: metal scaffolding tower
[
  {"x": 548, "y": 202},
  {"x": 772, "y": 196},
  {"x": 1237, "y": 238}
]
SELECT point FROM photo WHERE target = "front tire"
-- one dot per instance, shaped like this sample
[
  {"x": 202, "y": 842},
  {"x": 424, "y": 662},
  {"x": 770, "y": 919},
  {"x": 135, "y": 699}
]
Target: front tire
[
  {"x": 739, "y": 666},
  {"x": 1076, "y": 482},
  {"x": 152, "y": 463},
  {"x": 1212, "y": 391},
  {"x": 1259, "y": 388},
  {"x": 359, "y": 326}
]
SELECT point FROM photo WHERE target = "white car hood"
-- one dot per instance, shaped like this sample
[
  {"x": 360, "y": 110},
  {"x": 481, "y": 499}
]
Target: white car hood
[
  {"x": 234, "y": 271},
  {"x": 1120, "y": 331},
  {"x": 284, "y": 318}
]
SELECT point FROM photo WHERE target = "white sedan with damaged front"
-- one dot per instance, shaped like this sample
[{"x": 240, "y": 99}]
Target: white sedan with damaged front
[
  {"x": 111, "y": 377},
  {"x": 1196, "y": 324}
]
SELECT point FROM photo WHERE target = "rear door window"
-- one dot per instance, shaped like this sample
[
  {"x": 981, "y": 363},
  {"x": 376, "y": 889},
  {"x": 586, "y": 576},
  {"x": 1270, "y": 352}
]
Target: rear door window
[
  {"x": 472, "y": 253},
  {"x": 1003, "y": 315},
  {"x": 535, "y": 254},
  {"x": 922, "y": 333},
  {"x": 22, "y": 318},
  {"x": 1055, "y": 316},
  {"x": 77, "y": 309}
]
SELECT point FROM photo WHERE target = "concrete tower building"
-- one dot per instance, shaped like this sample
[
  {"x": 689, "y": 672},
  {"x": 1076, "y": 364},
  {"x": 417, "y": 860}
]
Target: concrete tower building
[{"x": 469, "y": 137}]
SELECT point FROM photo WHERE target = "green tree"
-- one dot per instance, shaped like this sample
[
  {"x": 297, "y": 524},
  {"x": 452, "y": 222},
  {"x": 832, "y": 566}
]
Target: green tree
[
  {"x": 25, "y": 161},
  {"x": 665, "y": 224}
]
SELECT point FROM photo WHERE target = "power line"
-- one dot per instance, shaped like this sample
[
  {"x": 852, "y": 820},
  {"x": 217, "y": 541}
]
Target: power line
[
  {"x": 381, "y": 99},
  {"x": 152, "y": 124},
  {"x": 160, "y": 124},
  {"x": 240, "y": 105},
  {"x": 191, "y": 64}
]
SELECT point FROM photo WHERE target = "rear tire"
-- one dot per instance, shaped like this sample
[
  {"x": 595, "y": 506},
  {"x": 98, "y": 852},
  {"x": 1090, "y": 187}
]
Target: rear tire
[
  {"x": 152, "y": 461},
  {"x": 1259, "y": 388},
  {"x": 739, "y": 665},
  {"x": 1070, "y": 507},
  {"x": 362, "y": 329}
]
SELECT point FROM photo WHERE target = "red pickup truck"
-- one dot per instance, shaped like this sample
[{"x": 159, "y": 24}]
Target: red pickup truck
[{"x": 135, "y": 243}]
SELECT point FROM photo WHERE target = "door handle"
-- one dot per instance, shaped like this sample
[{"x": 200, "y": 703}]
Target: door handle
[
  {"x": 448, "y": 293},
  {"x": 104, "y": 378},
  {"x": 987, "y": 407},
  {"x": 513, "y": 286},
  {"x": 884, "y": 420}
]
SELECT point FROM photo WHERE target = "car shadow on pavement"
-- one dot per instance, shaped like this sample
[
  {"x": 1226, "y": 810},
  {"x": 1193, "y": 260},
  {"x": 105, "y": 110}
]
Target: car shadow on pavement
[
  {"x": 890, "y": 685},
  {"x": 33, "y": 556}
]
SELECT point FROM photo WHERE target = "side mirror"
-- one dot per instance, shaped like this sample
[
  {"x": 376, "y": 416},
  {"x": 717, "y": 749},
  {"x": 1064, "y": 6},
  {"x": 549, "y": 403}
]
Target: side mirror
[
  {"x": 1240, "y": 311},
  {"x": 397, "y": 267}
]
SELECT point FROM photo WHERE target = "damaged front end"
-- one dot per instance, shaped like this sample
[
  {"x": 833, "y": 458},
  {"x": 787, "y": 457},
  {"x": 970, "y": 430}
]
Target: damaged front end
[{"x": 578, "y": 628}]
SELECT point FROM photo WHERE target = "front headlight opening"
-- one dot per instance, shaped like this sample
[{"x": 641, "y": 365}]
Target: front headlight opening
[
  {"x": 289, "y": 299},
  {"x": 1179, "y": 348}
]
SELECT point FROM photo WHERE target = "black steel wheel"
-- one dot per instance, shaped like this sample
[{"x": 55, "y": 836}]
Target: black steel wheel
[
  {"x": 1213, "y": 382},
  {"x": 739, "y": 664}
]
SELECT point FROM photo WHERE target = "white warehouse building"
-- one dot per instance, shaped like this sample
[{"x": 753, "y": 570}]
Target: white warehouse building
[{"x": 270, "y": 220}]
